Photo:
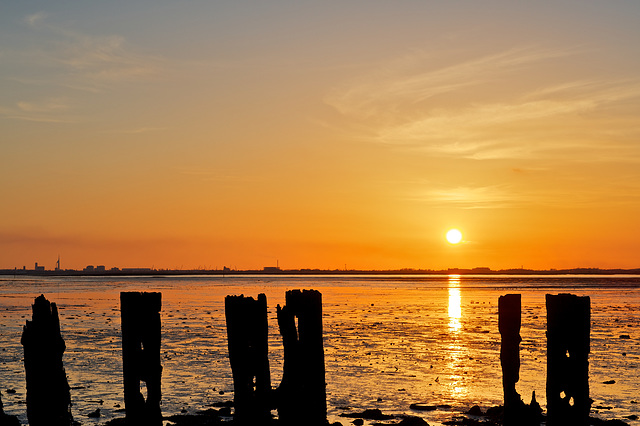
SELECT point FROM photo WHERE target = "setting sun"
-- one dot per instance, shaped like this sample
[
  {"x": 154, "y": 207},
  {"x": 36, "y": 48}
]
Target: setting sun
[{"x": 454, "y": 236}]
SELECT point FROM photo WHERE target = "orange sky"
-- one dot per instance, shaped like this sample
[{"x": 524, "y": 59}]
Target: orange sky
[{"x": 142, "y": 134}]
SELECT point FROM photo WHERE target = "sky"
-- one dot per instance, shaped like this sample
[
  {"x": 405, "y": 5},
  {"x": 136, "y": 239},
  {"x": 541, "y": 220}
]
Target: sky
[{"x": 314, "y": 134}]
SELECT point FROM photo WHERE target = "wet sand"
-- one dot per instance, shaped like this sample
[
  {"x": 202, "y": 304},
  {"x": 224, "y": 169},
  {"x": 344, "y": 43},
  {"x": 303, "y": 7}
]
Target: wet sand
[{"x": 388, "y": 343}]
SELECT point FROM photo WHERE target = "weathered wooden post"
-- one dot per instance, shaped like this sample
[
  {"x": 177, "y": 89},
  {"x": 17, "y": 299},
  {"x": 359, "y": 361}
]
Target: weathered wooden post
[
  {"x": 247, "y": 338},
  {"x": 5, "y": 419},
  {"x": 140, "y": 316},
  {"x": 302, "y": 392},
  {"x": 568, "y": 329},
  {"x": 48, "y": 394},
  {"x": 509, "y": 310}
]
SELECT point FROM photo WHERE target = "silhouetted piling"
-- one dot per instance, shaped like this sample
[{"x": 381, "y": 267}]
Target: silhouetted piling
[
  {"x": 247, "y": 337},
  {"x": 48, "y": 394},
  {"x": 140, "y": 315},
  {"x": 509, "y": 309},
  {"x": 5, "y": 419},
  {"x": 516, "y": 412},
  {"x": 568, "y": 328},
  {"x": 302, "y": 392}
]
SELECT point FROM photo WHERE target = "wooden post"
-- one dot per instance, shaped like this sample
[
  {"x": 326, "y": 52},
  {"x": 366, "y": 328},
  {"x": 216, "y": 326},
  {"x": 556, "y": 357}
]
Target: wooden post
[
  {"x": 302, "y": 392},
  {"x": 247, "y": 337},
  {"x": 5, "y": 419},
  {"x": 568, "y": 329},
  {"x": 509, "y": 312},
  {"x": 140, "y": 316},
  {"x": 48, "y": 394}
]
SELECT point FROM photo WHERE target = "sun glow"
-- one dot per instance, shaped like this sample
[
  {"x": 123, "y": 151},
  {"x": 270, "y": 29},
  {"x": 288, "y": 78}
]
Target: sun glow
[{"x": 454, "y": 236}]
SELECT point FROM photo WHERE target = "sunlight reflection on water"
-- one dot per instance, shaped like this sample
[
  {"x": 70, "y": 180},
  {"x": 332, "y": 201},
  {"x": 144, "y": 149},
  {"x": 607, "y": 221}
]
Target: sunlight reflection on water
[{"x": 455, "y": 300}]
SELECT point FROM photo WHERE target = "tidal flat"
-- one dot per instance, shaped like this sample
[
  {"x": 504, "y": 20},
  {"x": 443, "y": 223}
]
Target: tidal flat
[{"x": 389, "y": 341}]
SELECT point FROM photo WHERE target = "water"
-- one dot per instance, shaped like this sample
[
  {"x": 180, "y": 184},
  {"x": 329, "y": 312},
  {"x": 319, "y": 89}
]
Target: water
[{"x": 388, "y": 341}]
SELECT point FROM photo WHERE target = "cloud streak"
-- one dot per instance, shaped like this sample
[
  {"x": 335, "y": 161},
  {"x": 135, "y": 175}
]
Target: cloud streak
[
  {"x": 481, "y": 109},
  {"x": 97, "y": 60}
]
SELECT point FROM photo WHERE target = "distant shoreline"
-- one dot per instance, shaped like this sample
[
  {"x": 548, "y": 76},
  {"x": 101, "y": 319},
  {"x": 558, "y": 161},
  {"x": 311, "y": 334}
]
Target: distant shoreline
[{"x": 115, "y": 272}]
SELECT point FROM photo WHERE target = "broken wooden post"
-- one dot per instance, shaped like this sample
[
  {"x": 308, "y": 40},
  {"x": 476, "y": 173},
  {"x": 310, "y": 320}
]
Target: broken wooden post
[
  {"x": 247, "y": 338},
  {"x": 48, "y": 394},
  {"x": 140, "y": 316},
  {"x": 509, "y": 308},
  {"x": 568, "y": 328},
  {"x": 5, "y": 419},
  {"x": 302, "y": 392}
]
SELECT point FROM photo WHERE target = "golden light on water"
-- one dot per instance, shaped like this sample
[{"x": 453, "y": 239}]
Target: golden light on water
[{"x": 455, "y": 311}]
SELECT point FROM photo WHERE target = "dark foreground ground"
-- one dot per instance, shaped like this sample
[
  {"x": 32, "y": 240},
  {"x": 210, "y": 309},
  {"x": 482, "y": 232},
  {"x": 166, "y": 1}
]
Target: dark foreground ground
[{"x": 374, "y": 417}]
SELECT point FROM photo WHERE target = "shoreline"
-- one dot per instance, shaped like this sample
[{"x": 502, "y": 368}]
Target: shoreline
[{"x": 276, "y": 272}]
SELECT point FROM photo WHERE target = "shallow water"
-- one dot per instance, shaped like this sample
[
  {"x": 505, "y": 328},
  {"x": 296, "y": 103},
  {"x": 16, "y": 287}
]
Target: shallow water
[{"x": 388, "y": 341}]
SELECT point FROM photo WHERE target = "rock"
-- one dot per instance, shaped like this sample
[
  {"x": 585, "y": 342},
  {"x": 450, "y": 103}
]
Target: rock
[
  {"x": 475, "y": 411},
  {"x": 625, "y": 336},
  {"x": 11, "y": 391},
  {"x": 358, "y": 422},
  {"x": 94, "y": 414},
  {"x": 632, "y": 417},
  {"x": 495, "y": 412},
  {"x": 413, "y": 421},
  {"x": 609, "y": 382},
  {"x": 370, "y": 414},
  {"x": 423, "y": 407}
]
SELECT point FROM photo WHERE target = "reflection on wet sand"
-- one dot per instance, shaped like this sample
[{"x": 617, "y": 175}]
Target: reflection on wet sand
[
  {"x": 455, "y": 310},
  {"x": 457, "y": 354}
]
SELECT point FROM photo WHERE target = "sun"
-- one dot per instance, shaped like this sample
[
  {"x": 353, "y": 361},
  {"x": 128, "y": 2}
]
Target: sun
[{"x": 454, "y": 236}]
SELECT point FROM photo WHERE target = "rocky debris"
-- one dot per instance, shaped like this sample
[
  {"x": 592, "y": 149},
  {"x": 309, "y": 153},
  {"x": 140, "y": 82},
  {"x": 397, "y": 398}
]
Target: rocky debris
[
  {"x": 475, "y": 411},
  {"x": 423, "y": 407},
  {"x": 413, "y": 421},
  {"x": 369, "y": 414},
  {"x": 599, "y": 422}
]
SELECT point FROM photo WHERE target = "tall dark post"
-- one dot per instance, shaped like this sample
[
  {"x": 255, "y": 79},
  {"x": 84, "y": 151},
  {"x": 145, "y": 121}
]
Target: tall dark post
[
  {"x": 140, "y": 315},
  {"x": 48, "y": 395},
  {"x": 509, "y": 309},
  {"x": 568, "y": 329},
  {"x": 247, "y": 337},
  {"x": 302, "y": 392}
]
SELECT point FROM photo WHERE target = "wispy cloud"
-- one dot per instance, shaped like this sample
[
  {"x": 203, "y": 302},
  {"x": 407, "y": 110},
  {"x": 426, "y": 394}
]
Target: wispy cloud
[
  {"x": 59, "y": 57},
  {"x": 468, "y": 197},
  {"x": 480, "y": 108},
  {"x": 51, "y": 110},
  {"x": 404, "y": 82},
  {"x": 103, "y": 59},
  {"x": 35, "y": 19},
  {"x": 82, "y": 60},
  {"x": 562, "y": 194}
]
